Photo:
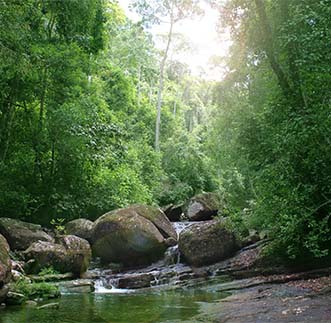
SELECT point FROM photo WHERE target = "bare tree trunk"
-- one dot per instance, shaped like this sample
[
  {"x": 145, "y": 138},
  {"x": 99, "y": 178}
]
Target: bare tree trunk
[
  {"x": 38, "y": 165},
  {"x": 139, "y": 86},
  {"x": 161, "y": 79}
]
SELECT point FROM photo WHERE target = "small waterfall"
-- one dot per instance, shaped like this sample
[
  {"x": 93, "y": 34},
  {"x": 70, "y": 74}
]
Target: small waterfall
[
  {"x": 181, "y": 226},
  {"x": 172, "y": 256},
  {"x": 104, "y": 286},
  {"x": 167, "y": 271}
]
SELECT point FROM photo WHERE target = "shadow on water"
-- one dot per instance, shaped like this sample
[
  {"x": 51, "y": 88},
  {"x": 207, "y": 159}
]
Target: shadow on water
[{"x": 147, "y": 307}]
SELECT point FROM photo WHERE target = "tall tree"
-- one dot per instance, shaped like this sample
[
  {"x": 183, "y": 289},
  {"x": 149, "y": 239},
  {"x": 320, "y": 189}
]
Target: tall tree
[{"x": 169, "y": 12}]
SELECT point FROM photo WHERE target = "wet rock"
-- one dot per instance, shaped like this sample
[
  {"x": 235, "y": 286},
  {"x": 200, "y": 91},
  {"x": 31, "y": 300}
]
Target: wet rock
[
  {"x": 158, "y": 218},
  {"x": 20, "y": 235},
  {"x": 206, "y": 243},
  {"x": 123, "y": 236},
  {"x": 135, "y": 281},
  {"x": 49, "y": 306},
  {"x": 80, "y": 286},
  {"x": 173, "y": 212},
  {"x": 81, "y": 228},
  {"x": 203, "y": 207},
  {"x": 5, "y": 267},
  {"x": 71, "y": 254},
  {"x": 31, "y": 303},
  {"x": 170, "y": 242}
]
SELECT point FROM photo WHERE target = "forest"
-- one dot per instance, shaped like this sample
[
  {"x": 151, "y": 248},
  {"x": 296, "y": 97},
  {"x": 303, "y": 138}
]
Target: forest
[{"x": 94, "y": 116}]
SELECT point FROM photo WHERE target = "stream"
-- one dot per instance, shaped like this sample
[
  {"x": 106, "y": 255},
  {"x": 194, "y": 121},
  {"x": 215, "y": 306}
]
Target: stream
[
  {"x": 148, "y": 306},
  {"x": 162, "y": 292},
  {"x": 171, "y": 292}
]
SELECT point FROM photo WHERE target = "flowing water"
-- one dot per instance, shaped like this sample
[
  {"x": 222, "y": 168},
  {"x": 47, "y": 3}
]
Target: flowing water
[{"x": 166, "y": 299}]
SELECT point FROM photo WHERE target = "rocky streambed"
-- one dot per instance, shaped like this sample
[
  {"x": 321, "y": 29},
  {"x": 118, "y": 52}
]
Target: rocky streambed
[{"x": 135, "y": 265}]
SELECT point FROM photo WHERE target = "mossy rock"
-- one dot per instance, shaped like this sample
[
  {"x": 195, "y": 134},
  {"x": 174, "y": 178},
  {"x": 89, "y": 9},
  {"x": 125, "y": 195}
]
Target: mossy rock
[
  {"x": 80, "y": 227},
  {"x": 124, "y": 236},
  {"x": 207, "y": 243},
  {"x": 5, "y": 263},
  {"x": 5, "y": 267},
  {"x": 20, "y": 235},
  {"x": 203, "y": 206},
  {"x": 158, "y": 218},
  {"x": 70, "y": 254}
]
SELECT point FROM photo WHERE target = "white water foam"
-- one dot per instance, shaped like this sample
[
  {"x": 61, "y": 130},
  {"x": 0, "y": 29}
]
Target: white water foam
[
  {"x": 181, "y": 226},
  {"x": 101, "y": 289}
]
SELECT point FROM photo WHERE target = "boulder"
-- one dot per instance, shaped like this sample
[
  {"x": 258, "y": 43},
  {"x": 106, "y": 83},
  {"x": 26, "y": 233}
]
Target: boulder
[
  {"x": 158, "y": 218},
  {"x": 203, "y": 207},
  {"x": 70, "y": 254},
  {"x": 124, "y": 236},
  {"x": 173, "y": 212},
  {"x": 5, "y": 267},
  {"x": 207, "y": 243},
  {"x": 20, "y": 235},
  {"x": 81, "y": 228}
]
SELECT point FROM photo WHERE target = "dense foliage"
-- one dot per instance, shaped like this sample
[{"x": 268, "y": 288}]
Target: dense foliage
[
  {"x": 82, "y": 88},
  {"x": 78, "y": 91},
  {"x": 271, "y": 134}
]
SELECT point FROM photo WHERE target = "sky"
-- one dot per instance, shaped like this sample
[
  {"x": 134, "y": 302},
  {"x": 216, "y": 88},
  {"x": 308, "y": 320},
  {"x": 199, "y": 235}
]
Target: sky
[{"x": 201, "y": 32}]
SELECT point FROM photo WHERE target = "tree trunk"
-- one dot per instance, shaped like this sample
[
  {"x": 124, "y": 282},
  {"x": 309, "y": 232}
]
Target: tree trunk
[
  {"x": 38, "y": 158},
  {"x": 161, "y": 79}
]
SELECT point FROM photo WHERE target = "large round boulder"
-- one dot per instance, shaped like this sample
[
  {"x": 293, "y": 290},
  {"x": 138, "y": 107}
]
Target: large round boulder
[
  {"x": 206, "y": 243},
  {"x": 158, "y": 218},
  {"x": 124, "y": 236},
  {"x": 20, "y": 235},
  {"x": 5, "y": 267},
  {"x": 70, "y": 254},
  {"x": 81, "y": 228},
  {"x": 203, "y": 207}
]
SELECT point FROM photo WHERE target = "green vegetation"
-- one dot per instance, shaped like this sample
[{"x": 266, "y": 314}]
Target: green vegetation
[
  {"x": 271, "y": 128},
  {"x": 48, "y": 271},
  {"x": 82, "y": 88},
  {"x": 35, "y": 290}
]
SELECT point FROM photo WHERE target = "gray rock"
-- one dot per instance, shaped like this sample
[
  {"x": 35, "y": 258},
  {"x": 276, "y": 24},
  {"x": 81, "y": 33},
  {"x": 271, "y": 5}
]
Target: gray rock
[
  {"x": 20, "y": 235},
  {"x": 81, "y": 228},
  {"x": 5, "y": 267},
  {"x": 203, "y": 207},
  {"x": 207, "y": 243},
  {"x": 49, "y": 306},
  {"x": 71, "y": 254},
  {"x": 124, "y": 236},
  {"x": 79, "y": 286},
  {"x": 158, "y": 218}
]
